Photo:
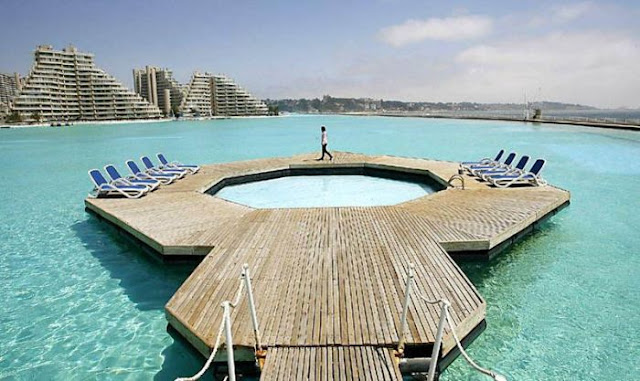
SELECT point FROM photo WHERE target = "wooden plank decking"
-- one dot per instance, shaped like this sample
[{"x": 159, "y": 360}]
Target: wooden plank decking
[
  {"x": 328, "y": 282},
  {"x": 326, "y": 276},
  {"x": 462, "y": 222},
  {"x": 333, "y": 363}
]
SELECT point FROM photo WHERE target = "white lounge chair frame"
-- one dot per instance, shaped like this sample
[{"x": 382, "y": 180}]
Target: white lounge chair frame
[
  {"x": 146, "y": 175},
  {"x": 127, "y": 180},
  {"x": 113, "y": 189},
  {"x": 177, "y": 165}
]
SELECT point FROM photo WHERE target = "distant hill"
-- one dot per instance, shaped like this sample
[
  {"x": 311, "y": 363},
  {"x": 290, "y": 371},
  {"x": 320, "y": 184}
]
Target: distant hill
[{"x": 329, "y": 104}]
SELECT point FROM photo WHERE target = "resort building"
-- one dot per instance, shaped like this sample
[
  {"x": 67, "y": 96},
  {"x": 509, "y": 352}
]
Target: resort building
[
  {"x": 65, "y": 85},
  {"x": 197, "y": 102},
  {"x": 10, "y": 85},
  {"x": 159, "y": 88},
  {"x": 232, "y": 100},
  {"x": 217, "y": 95}
]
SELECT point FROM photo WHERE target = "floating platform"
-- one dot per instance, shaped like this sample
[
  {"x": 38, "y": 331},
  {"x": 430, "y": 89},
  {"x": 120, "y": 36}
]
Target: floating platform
[{"x": 329, "y": 282}]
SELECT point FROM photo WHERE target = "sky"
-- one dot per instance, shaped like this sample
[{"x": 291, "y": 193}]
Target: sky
[{"x": 585, "y": 52}]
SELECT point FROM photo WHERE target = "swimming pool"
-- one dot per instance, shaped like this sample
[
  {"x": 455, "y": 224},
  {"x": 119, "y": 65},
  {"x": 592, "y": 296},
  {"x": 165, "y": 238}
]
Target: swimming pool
[
  {"x": 81, "y": 302},
  {"x": 324, "y": 191}
]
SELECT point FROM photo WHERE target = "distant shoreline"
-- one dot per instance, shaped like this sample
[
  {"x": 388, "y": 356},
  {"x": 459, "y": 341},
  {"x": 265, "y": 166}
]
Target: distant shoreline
[
  {"x": 555, "y": 120},
  {"x": 130, "y": 121},
  {"x": 84, "y": 122},
  {"x": 547, "y": 120}
]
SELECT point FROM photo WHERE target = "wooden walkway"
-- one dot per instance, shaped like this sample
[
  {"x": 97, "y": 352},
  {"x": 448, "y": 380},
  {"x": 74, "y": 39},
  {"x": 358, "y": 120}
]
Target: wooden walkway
[
  {"x": 328, "y": 282},
  {"x": 331, "y": 363},
  {"x": 325, "y": 276}
]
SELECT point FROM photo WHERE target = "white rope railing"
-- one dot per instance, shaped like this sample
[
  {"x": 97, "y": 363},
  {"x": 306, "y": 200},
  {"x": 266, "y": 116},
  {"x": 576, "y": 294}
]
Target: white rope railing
[
  {"x": 444, "y": 316},
  {"x": 445, "y": 308},
  {"x": 207, "y": 364}
]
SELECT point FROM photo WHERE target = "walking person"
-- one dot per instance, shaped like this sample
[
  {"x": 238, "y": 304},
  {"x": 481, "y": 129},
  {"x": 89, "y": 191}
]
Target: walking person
[{"x": 324, "y": 141}]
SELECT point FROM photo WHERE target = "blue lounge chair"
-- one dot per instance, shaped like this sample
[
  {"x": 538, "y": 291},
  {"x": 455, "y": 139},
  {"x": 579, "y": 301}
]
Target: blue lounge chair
[
  {"x": 174, "y": 164},
  {"x": 478, "y": 170},
  {"x": 517, "y": 170},
  {"x": 529, "y": 178},
  {"x": 164, "y": 178},
  {"x": 130, "y": 180},
  {"x": 105, "y": 188},
  {"x": 150, "y": 167},
  {"x": 485, "y": 161}
]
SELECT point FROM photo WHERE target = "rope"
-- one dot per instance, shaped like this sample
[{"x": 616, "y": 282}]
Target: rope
[
  {"x": 429, "y": 301},
  {"x": 447, "y": 304},
  {"x": 477, "y": 367},
  {"x": 239, "y": 294},
  {"x": 207, "y": 364},
  {"x": 209, "y": 360}
]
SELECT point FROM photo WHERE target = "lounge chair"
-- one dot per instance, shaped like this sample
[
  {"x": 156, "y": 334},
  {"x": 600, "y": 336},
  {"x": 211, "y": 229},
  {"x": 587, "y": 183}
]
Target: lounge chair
[
  {"x": 164, "y": 178},
  {"x": 517, "y": 170},
  {"x": 529, "y": 178},
  {"x": 175, "y": 164},
  {"x": 130, "y": 180},
  {"x": 485, "y": 161},
  {"x": 105, "y": 188},
  {"x": 478, "y": 170},
  {"x": 150, "y": 167}
]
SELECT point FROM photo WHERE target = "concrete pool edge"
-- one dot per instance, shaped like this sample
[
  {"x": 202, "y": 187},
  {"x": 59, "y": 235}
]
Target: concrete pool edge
[{"x": 426, "y": 179}]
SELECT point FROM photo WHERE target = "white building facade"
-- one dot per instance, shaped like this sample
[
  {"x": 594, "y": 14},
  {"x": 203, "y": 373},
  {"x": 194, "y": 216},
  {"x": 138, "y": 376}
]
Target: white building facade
[
  {"x": 159, "y": 88},
  {"x": 65, "y": 85},
  {"x": 217, "y": 95}
]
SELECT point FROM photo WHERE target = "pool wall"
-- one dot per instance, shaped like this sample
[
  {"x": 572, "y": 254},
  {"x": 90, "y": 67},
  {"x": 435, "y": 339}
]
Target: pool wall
[{"x": 413, "y": 175}]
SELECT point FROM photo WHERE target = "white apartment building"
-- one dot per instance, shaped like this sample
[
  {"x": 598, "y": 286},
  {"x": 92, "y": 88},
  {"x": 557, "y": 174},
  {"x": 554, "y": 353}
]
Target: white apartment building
[
  {"x": 217, "y": 95},
  {"x": 159, "y": 88},
  {"x": 65, "y": 85},
  {"x": 232, "y": 100},
  {"x": 197, "y": 102},
  {"x": 10, "y": 85}
]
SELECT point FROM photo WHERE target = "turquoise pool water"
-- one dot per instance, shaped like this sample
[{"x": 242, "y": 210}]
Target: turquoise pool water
[
  {"x": 79, "y": 302},
  {"x": 323, "y": 191}
]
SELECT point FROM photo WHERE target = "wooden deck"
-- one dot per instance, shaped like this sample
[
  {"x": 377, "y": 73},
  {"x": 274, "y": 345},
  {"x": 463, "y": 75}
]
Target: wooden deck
[
  {"x": 331, "y": 363},
  {"x": 463, "y": 222},
  {"x": 325, "y": 276},
  {"x": 328, "y": 282}
]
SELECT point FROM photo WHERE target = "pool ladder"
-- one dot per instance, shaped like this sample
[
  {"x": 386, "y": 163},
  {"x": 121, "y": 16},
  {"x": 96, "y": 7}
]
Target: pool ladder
[{"x": 454, "y": 177}]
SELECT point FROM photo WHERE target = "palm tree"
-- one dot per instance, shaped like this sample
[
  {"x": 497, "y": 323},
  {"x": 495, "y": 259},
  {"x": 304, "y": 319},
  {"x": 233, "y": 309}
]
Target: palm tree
[
  {"x": 273, "y": 110},
  {"x": 15, "y": 117},
  {"x": 36, "y": 116}
]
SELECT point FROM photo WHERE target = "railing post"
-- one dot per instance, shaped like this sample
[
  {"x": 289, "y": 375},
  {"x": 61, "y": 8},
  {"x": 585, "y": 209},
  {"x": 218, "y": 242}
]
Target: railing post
[
  {"x": 252, "y": 308},
  {"x": 229, "y": 340},
  {"x": 435, "y": 353},
  {"x": 405, "y": 310}
]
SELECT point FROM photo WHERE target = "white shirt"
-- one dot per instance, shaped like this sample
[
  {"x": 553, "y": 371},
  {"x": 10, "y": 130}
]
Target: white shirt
[{"x": 324, "y": 138}]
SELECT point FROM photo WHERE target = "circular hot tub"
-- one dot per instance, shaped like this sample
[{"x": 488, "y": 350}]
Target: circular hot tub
[{"x": 344, "y": 187}]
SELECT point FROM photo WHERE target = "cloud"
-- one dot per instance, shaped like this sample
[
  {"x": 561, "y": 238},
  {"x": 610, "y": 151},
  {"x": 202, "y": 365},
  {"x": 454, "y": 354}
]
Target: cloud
[
  {"x": 560, "y": 14},
  {"x": 556, "y": 51},
  {"x": 588, "y": 67},
  {"x": 569, "y": 12},
  {"x": 444, "y": 29},
  {"x": 593, "y": 68}
]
